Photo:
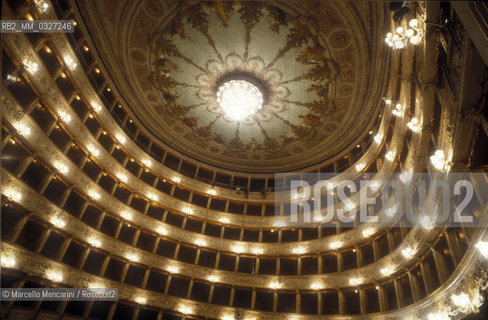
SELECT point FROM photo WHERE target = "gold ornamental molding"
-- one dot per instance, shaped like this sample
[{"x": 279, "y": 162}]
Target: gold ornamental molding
[
  {"x": 129, "y": 39},
  {"x": 45, "y": 149},
  {"x": 418, "y": 238},
  {"x": 145, "y": 190},
  {"x": 468, "y": 278}
]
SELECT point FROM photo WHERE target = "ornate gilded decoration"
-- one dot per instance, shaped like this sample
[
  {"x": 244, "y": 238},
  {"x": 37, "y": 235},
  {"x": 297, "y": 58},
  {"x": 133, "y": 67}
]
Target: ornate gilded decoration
[
  {"x": 300, "y": 118},
  {"x": 305, "y": 56}
]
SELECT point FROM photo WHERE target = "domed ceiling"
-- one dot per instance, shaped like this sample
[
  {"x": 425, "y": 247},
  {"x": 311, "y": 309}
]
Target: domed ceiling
[{"x": 311, "y": 60}]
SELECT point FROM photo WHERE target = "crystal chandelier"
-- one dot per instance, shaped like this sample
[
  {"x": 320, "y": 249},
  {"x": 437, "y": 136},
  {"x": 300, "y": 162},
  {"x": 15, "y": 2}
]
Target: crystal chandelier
[
  {"x": 402, "y": 36},
  {"x": 239, "y": 99}
]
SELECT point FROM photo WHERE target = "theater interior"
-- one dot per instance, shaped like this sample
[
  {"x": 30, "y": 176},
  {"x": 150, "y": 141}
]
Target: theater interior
[{"x": 152, "y": 147}]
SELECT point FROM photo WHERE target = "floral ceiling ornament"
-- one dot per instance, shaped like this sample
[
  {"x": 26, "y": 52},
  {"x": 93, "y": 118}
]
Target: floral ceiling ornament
[
  {"x": 287, "y": 116},
  {"x": 310, "y": 59}
]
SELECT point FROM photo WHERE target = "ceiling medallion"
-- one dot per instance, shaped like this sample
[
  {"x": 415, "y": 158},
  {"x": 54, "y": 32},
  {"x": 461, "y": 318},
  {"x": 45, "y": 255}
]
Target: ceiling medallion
[
  {"x": 239, "y": 99},
  {"x": 249, "y": 76},
  {"x": 260, "y": 86}
]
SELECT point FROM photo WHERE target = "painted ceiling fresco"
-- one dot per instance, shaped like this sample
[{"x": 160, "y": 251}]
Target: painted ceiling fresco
[{"x": 303, "y": 55}]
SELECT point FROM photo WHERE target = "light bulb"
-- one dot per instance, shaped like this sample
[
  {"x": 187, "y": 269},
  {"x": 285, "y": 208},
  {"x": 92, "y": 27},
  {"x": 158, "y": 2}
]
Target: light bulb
[
  {"x": 280, "y": 224},
  {"x": 386, "y": 271},
  {"x": 94, "y": 242},
  {"x": 162, "y": 231},
  {"x": 316, "y": 286},
  {"x": 399, "y": 44},
  {"x": 95, "y": 195},
  {"x": 408, "y": 253},
  {"x": 238, "y": 249},
  {"x": 173, "y": 269},
  {"x": 200, "y": 242},
  {"x": 350, "y": 206},
  {"x": 213, "y": 278},
  {"x": 438, "y": 316},
  {"x": 318, "y": 217},
  {"x": 426, "y": 222},
  {"x": 461, "y": 301},
  {"x": 12, "y": 194},
  {"x": 275, "y": 285},
  {"x": 120, "y": 138},
  {"x": 257, "y": 251},
  {"x": 152, "y": 196},
  {"x": 224, "y": 220},
  {"x": 185, "y": 309},
  {"x": 405, "y": 177},
  {"x": 438, "y": 160},
  {"x": 413, "y": 23},
  {"x": 439, "y": 154},
  {"x": 122, "y": 177},
  {"x": 335, "y": 244},
  {"x": 126, "y": 215},
  {"x": 96, "y": 107},
  {"x": 368, "y": 232},
  {"x": 390, "y": 155},
  {"x": 415, "y": 39},
  {"x": 133, "y": 257},
  {"x": 374, "y": 185},
  {"x": 61, "y": 167},
  {"x": 58, "y": 222},
  {"x": 70, "y": 62},
  {"x": 54, "y": 276},
  {"x": 482, "y": 246},
  {"x": 93, "y": 150},
  {"x": 64, "y": 116},
  {"x": 299, "y": 250},
  {"x": 23, "y": 129},
  {"x": 31, "y": 66},
  {"x": 378, "y": 137},
  {"x": 141, "y": 300},
  {"x": 414, "y": 125},
  {"x": 8, "y": 261},
  {"x": 392, "y": 210}
]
